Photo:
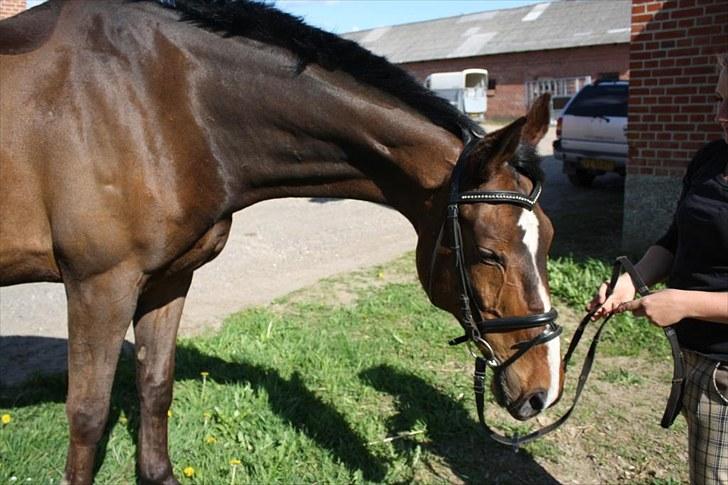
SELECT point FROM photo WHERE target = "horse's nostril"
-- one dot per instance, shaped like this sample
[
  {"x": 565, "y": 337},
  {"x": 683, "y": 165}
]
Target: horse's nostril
[
  {"x": 529, "y": 406},
  {"x": 538, "y": 401}
]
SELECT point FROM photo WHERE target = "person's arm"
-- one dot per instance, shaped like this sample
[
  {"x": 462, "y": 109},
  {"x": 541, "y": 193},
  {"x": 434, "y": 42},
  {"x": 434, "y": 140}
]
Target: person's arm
[
  {"x": 653, "y": 267},
  {"x": 669, "y": 306}
]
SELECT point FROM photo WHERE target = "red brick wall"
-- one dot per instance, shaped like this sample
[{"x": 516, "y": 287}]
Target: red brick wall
[
  {"x": 512, "y": 70},
  {"x": 8, "y": 8},
  {"x": 672, "y": 80}
]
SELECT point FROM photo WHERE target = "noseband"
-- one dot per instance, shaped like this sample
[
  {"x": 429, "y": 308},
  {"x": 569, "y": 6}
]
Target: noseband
[{"x": 476, "y": 329}]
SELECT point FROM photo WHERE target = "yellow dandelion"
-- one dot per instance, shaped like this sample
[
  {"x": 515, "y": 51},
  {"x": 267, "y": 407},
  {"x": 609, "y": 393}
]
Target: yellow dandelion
[
  {"x": 169, "y": 413},
  {"x": 210, "y": 440},
  {"x": 6, "y": 419},
  {"x": 189, "y": 472},
  {"x": 233, "y": 466},
  {"x": 204, "y": 375}
]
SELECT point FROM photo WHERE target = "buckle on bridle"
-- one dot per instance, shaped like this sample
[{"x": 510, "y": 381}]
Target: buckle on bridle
[{"x": 488, "y": 356}]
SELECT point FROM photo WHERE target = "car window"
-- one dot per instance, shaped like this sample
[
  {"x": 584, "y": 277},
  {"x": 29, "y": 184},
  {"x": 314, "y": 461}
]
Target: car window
[{"x": 600, "y": 101}]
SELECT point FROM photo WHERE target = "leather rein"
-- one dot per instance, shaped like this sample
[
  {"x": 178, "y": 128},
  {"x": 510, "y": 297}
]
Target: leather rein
[{"x": 476, "y": 330}]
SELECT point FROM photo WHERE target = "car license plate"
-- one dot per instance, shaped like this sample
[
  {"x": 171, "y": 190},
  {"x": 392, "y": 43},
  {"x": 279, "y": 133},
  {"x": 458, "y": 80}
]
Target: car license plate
[{"x": 595, "y": 164}]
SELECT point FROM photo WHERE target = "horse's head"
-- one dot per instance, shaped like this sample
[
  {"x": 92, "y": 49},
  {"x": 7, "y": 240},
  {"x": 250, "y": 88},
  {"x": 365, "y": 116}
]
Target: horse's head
[{"x": 504, "y": 244}]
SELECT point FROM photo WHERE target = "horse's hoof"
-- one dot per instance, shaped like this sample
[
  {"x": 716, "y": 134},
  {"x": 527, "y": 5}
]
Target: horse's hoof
[{"x": 168, "y": 480}]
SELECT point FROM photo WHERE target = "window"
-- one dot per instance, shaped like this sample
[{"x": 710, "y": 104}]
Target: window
[
  {"x": 600, "y": 100},
  {"x": 609, "y": 76}
]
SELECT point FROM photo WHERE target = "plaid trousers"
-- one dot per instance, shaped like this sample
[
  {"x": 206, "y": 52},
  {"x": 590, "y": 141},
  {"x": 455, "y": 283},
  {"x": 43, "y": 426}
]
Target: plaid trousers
[{"x": 705, "y": 406}]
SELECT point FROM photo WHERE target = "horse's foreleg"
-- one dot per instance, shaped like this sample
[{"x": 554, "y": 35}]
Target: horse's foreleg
[
  {"x": 155, "y": 333},
  {"x": 100, "y": 309}
]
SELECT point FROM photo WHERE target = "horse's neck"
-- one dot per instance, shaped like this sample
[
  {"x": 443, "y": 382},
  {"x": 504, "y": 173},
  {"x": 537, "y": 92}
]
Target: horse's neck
[{"x": 320, "y": 134}]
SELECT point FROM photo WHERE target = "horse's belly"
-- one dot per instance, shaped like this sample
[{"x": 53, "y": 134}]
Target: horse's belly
[{"x": 26, "y": 251}]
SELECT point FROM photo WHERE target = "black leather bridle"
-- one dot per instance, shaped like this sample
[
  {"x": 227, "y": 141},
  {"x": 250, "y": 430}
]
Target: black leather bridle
[{"x": 477, "y": 329}]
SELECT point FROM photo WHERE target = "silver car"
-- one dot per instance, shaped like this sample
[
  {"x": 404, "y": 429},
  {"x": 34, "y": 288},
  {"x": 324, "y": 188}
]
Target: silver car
[{"x": 591, "y": 134}]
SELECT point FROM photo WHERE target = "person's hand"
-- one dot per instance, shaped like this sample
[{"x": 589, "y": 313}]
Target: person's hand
[
  {"x": 662, "y": 308},
  {"x": 624, "y": 291}
]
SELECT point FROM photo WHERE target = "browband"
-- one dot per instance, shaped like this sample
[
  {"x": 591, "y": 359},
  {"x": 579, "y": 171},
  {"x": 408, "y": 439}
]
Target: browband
[{"x": 503, "y": 197}]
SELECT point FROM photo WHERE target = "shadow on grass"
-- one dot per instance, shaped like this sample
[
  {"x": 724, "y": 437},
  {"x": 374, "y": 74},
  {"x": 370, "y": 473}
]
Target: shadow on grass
[
  {"x": 454, "y": 436},
  {"x": 289, "y": 398}
]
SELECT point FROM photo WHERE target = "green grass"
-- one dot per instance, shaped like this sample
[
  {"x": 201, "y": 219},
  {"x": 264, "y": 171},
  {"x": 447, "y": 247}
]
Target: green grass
[{"x": 305, "y": 392}]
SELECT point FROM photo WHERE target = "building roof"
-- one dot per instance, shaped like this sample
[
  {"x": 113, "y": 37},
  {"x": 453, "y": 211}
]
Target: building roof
[{"x": 549, "y": 25}]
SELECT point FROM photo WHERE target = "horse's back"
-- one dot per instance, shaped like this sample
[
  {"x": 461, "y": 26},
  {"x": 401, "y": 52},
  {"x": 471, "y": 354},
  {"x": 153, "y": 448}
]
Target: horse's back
[{"x": 29, "y": 30}]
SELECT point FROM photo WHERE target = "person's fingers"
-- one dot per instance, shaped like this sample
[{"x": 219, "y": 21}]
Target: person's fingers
[
  {"x": 604, "y": 309},
  {"x": 607, "y": 307},
  {"x": 602, "y": 292},
  {"x": 634, "y": 306},
  {"x": 599, "y": 298}
]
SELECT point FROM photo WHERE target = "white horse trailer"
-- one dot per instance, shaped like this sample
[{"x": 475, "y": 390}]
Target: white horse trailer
[{"x": 466, "y": 90}]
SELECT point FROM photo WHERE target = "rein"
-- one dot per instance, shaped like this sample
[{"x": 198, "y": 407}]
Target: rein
[
  {"x": 475, "y": 331},
  {"x": 674, "y": 401}
]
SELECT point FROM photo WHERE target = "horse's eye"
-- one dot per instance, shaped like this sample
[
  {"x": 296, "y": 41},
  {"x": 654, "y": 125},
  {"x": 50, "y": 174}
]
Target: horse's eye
[{"x": 488, "y": 256}]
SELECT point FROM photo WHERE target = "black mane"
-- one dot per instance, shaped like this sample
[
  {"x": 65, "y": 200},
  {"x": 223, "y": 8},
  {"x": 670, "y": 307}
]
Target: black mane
[{"x": 261, "y": 22}]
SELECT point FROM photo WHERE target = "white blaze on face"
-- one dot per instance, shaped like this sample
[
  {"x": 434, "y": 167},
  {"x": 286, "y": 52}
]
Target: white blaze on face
[{"x": 528, "y": 222}]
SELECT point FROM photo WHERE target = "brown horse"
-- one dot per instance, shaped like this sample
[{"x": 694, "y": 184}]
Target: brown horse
[{"x": 131, "y": 132}]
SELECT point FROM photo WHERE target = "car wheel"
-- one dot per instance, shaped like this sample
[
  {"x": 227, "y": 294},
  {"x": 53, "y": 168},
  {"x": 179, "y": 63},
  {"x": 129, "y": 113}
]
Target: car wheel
[{"x": 582, "y": 178}]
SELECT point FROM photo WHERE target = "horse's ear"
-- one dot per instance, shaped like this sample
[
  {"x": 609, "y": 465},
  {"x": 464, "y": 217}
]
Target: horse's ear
[
  {"x": 537, "y": 120},
  {"x": 496, "y": 148}
]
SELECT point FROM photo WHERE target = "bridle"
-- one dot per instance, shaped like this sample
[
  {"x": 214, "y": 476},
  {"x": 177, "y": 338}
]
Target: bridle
[{"x": 477, "y": 329}]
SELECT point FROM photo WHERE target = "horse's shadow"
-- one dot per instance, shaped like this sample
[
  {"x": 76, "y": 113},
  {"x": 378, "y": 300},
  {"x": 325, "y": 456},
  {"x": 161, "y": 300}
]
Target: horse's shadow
[
  {"x": 289, "y": 398},
  {"x": 454, "y": 436}
]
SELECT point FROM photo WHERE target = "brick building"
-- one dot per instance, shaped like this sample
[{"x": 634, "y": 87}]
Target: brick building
[
  {"x": 8, "y": 8},
  {"x": 526, "y": 50},
  {"x": 673, "y": 76}
]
